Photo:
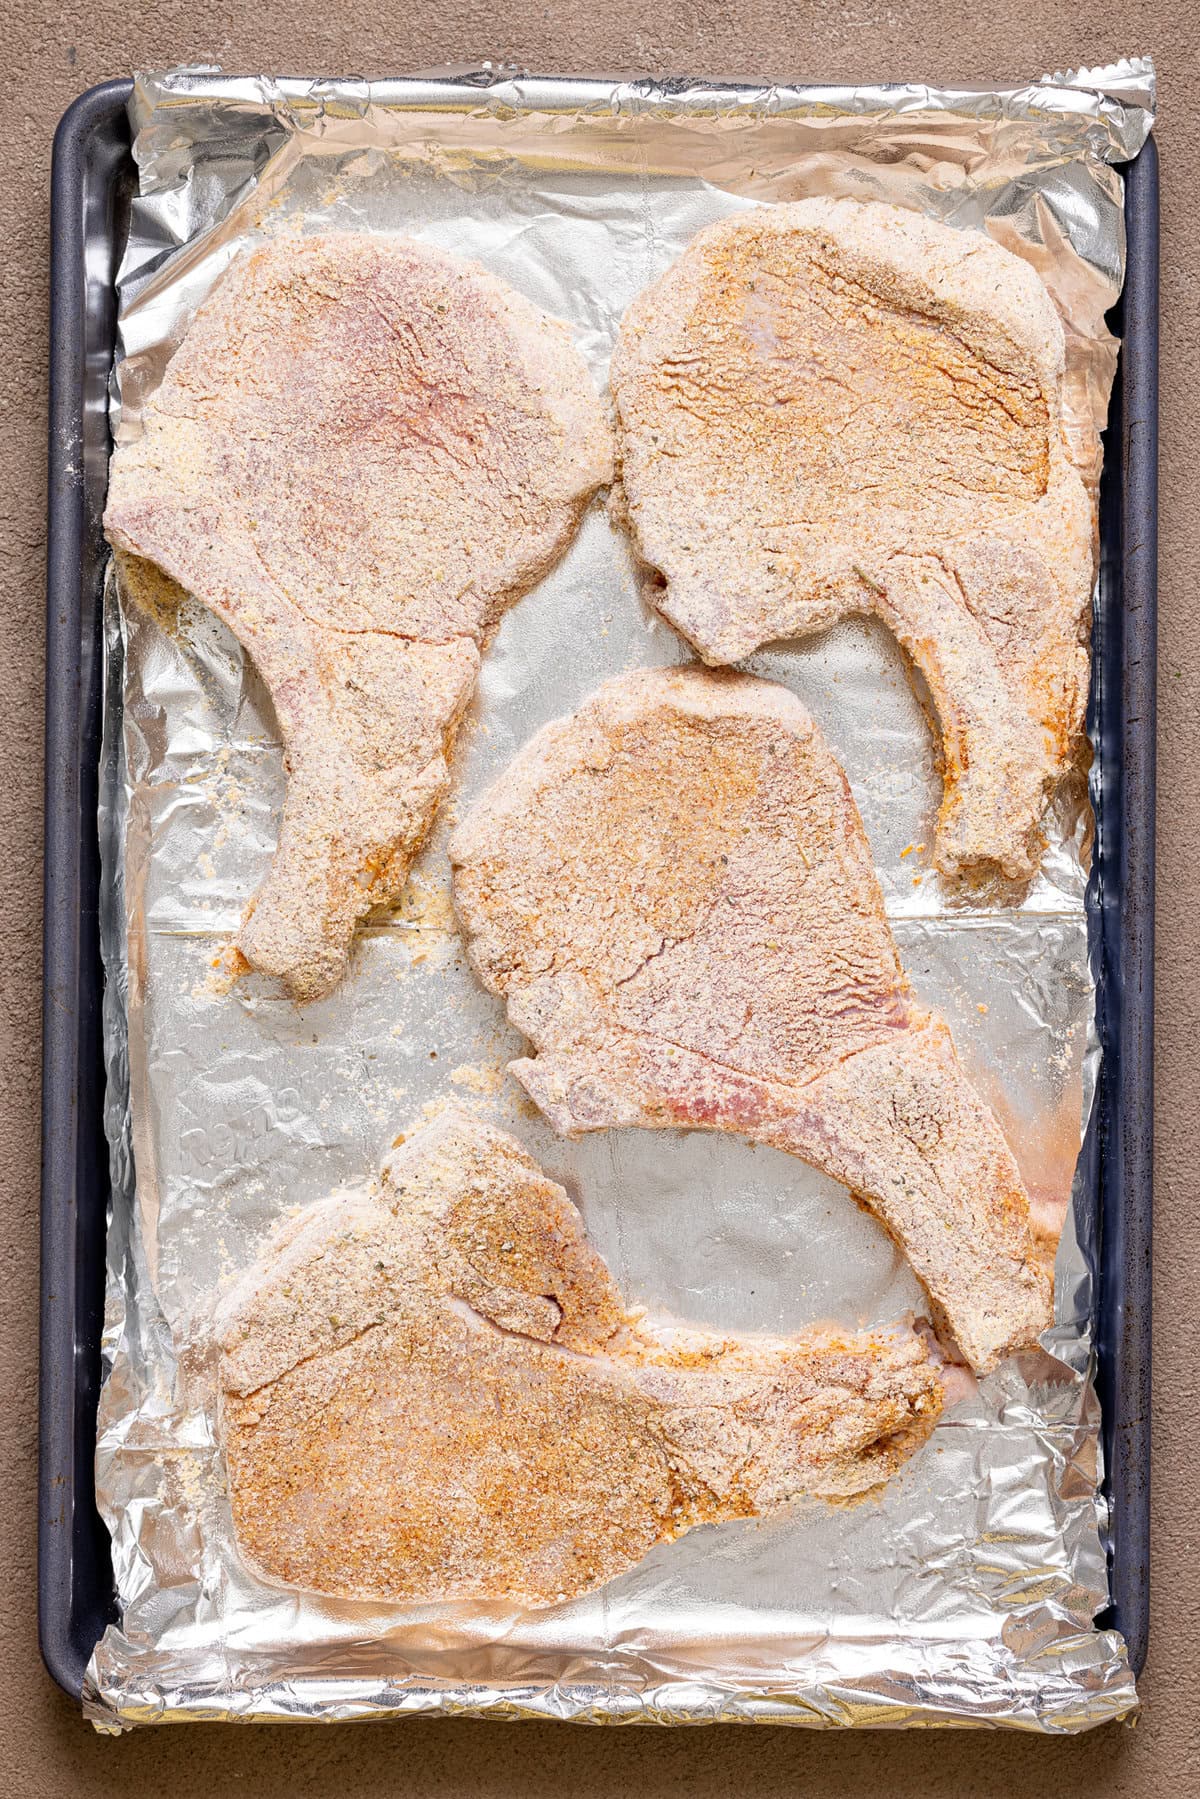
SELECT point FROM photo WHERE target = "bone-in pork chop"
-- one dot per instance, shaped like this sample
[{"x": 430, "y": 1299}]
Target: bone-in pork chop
[
  {"x": 839, "y": 407},
  {"x": 673, "y": 893},
  {"x": 435, "y": 1391},
  {"x": 362, "y": 452}
]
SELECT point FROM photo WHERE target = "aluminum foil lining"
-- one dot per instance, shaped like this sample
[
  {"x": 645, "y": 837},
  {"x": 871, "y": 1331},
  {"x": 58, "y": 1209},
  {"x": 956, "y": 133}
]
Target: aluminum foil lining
[{"x": 967, "y": 1593}]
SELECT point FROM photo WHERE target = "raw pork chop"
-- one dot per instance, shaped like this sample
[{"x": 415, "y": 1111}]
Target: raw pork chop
[
  {"x": 435, "y": 1391},
  {"x": 839, "y": 407},
  {"x": 362, "y": 452},
  {"x": 673, "y": 892}
]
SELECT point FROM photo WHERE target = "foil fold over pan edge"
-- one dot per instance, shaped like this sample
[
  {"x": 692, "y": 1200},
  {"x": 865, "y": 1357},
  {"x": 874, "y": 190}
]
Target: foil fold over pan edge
[
  {"x": 1118, "y": 97},
  {"x": 1048, "y": 1670}
]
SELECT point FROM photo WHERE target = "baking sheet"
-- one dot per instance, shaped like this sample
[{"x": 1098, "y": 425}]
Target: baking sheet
[{"x": 968, "y": 1591}]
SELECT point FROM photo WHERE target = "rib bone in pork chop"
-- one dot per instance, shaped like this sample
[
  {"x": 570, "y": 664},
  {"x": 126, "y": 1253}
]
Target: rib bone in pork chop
[
  {"x": 673, "y": 893},
  {"x": 436, "y": 1392},
  {"x": 362, "y": 452},
  {"x": 839, "y": 407}
]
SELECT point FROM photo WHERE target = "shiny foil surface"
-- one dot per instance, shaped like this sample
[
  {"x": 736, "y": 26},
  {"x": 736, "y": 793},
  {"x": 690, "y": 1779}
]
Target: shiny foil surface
[{"x": 966, "y": 1593}]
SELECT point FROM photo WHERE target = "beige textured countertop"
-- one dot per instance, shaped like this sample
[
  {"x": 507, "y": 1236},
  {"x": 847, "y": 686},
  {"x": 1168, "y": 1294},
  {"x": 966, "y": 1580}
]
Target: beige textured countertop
[{"x": 52, "y": 51}]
